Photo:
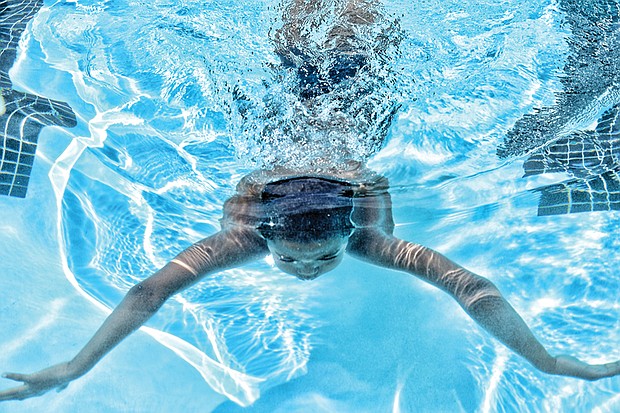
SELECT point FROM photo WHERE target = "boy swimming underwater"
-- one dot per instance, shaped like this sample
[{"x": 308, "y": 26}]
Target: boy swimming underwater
[{"x": 307, "y": 219}]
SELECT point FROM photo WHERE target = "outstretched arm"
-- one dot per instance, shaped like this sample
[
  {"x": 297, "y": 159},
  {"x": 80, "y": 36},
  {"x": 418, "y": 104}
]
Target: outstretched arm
[
  {"x": 478, "y": 297},
  {"x": 223, "y": 250}
]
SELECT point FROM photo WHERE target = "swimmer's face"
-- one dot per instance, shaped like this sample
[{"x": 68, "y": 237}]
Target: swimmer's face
[{"x": 307, "y": 260}]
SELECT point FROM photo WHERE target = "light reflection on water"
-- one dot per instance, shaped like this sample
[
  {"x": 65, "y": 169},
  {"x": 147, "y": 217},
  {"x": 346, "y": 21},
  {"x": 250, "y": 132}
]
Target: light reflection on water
[{"x": 165, "y": 148}]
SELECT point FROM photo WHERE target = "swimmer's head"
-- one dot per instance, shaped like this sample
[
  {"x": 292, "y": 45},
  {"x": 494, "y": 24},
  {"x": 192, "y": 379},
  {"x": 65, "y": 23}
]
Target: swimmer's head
[
  {"x": 308, "y": 259},
  {"x": 306, "y": 223},
  {"x": 308, "y": 245}
]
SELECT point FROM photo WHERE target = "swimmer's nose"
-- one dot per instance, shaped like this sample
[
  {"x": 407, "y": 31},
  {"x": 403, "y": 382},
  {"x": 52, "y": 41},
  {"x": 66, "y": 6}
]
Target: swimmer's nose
[{"x": 308, "y": 270}]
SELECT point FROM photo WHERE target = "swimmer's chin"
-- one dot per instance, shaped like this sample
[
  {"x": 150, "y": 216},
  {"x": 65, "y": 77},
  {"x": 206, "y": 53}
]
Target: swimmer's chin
[{"x": 307, "y": 277}]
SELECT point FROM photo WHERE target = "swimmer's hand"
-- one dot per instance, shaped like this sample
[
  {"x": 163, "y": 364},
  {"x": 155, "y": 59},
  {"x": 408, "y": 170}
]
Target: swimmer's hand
[
  {"x": 35, "y": 384},
  {"x": 570, "y": 366}
]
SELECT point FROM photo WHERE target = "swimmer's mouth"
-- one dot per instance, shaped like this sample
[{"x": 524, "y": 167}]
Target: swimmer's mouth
[{"x": 307, "y": 277}]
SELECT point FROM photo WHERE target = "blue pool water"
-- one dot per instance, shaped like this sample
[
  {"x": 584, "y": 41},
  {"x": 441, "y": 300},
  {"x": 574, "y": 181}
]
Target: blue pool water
[{"x": 160, "y": 144}]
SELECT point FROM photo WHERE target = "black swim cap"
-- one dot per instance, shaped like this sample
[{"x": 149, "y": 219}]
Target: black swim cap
[{"x": 305, "y": 209}]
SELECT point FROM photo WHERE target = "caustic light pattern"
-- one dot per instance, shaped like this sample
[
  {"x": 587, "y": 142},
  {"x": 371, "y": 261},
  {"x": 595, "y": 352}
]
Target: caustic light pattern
[{"x": 22, "y": 115}]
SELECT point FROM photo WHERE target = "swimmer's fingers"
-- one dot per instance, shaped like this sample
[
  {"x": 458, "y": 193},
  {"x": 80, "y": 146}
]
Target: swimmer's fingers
[
  {"x": 570, "y": 366},
  {"x": 16, "y": 376},
  {"x": 17, "y": 393},
  {"x": 36, "y": 384}
]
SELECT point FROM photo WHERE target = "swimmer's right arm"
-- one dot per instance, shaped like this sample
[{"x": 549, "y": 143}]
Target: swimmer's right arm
[
  {"x": 223, "y": 250},
  {"x": 479, "y": 297}
]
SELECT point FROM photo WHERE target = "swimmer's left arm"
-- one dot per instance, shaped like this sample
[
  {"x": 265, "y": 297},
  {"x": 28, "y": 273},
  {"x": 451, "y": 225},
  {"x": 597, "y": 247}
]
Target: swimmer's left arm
[
  {"x": 223, "y": 250},
  {"x": 479, "y": 298}
]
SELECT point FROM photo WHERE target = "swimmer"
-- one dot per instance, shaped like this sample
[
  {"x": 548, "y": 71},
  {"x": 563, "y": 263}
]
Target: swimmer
[
  {"x": 307, "y": 219},
  {"x": 307, "y": 222}
]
